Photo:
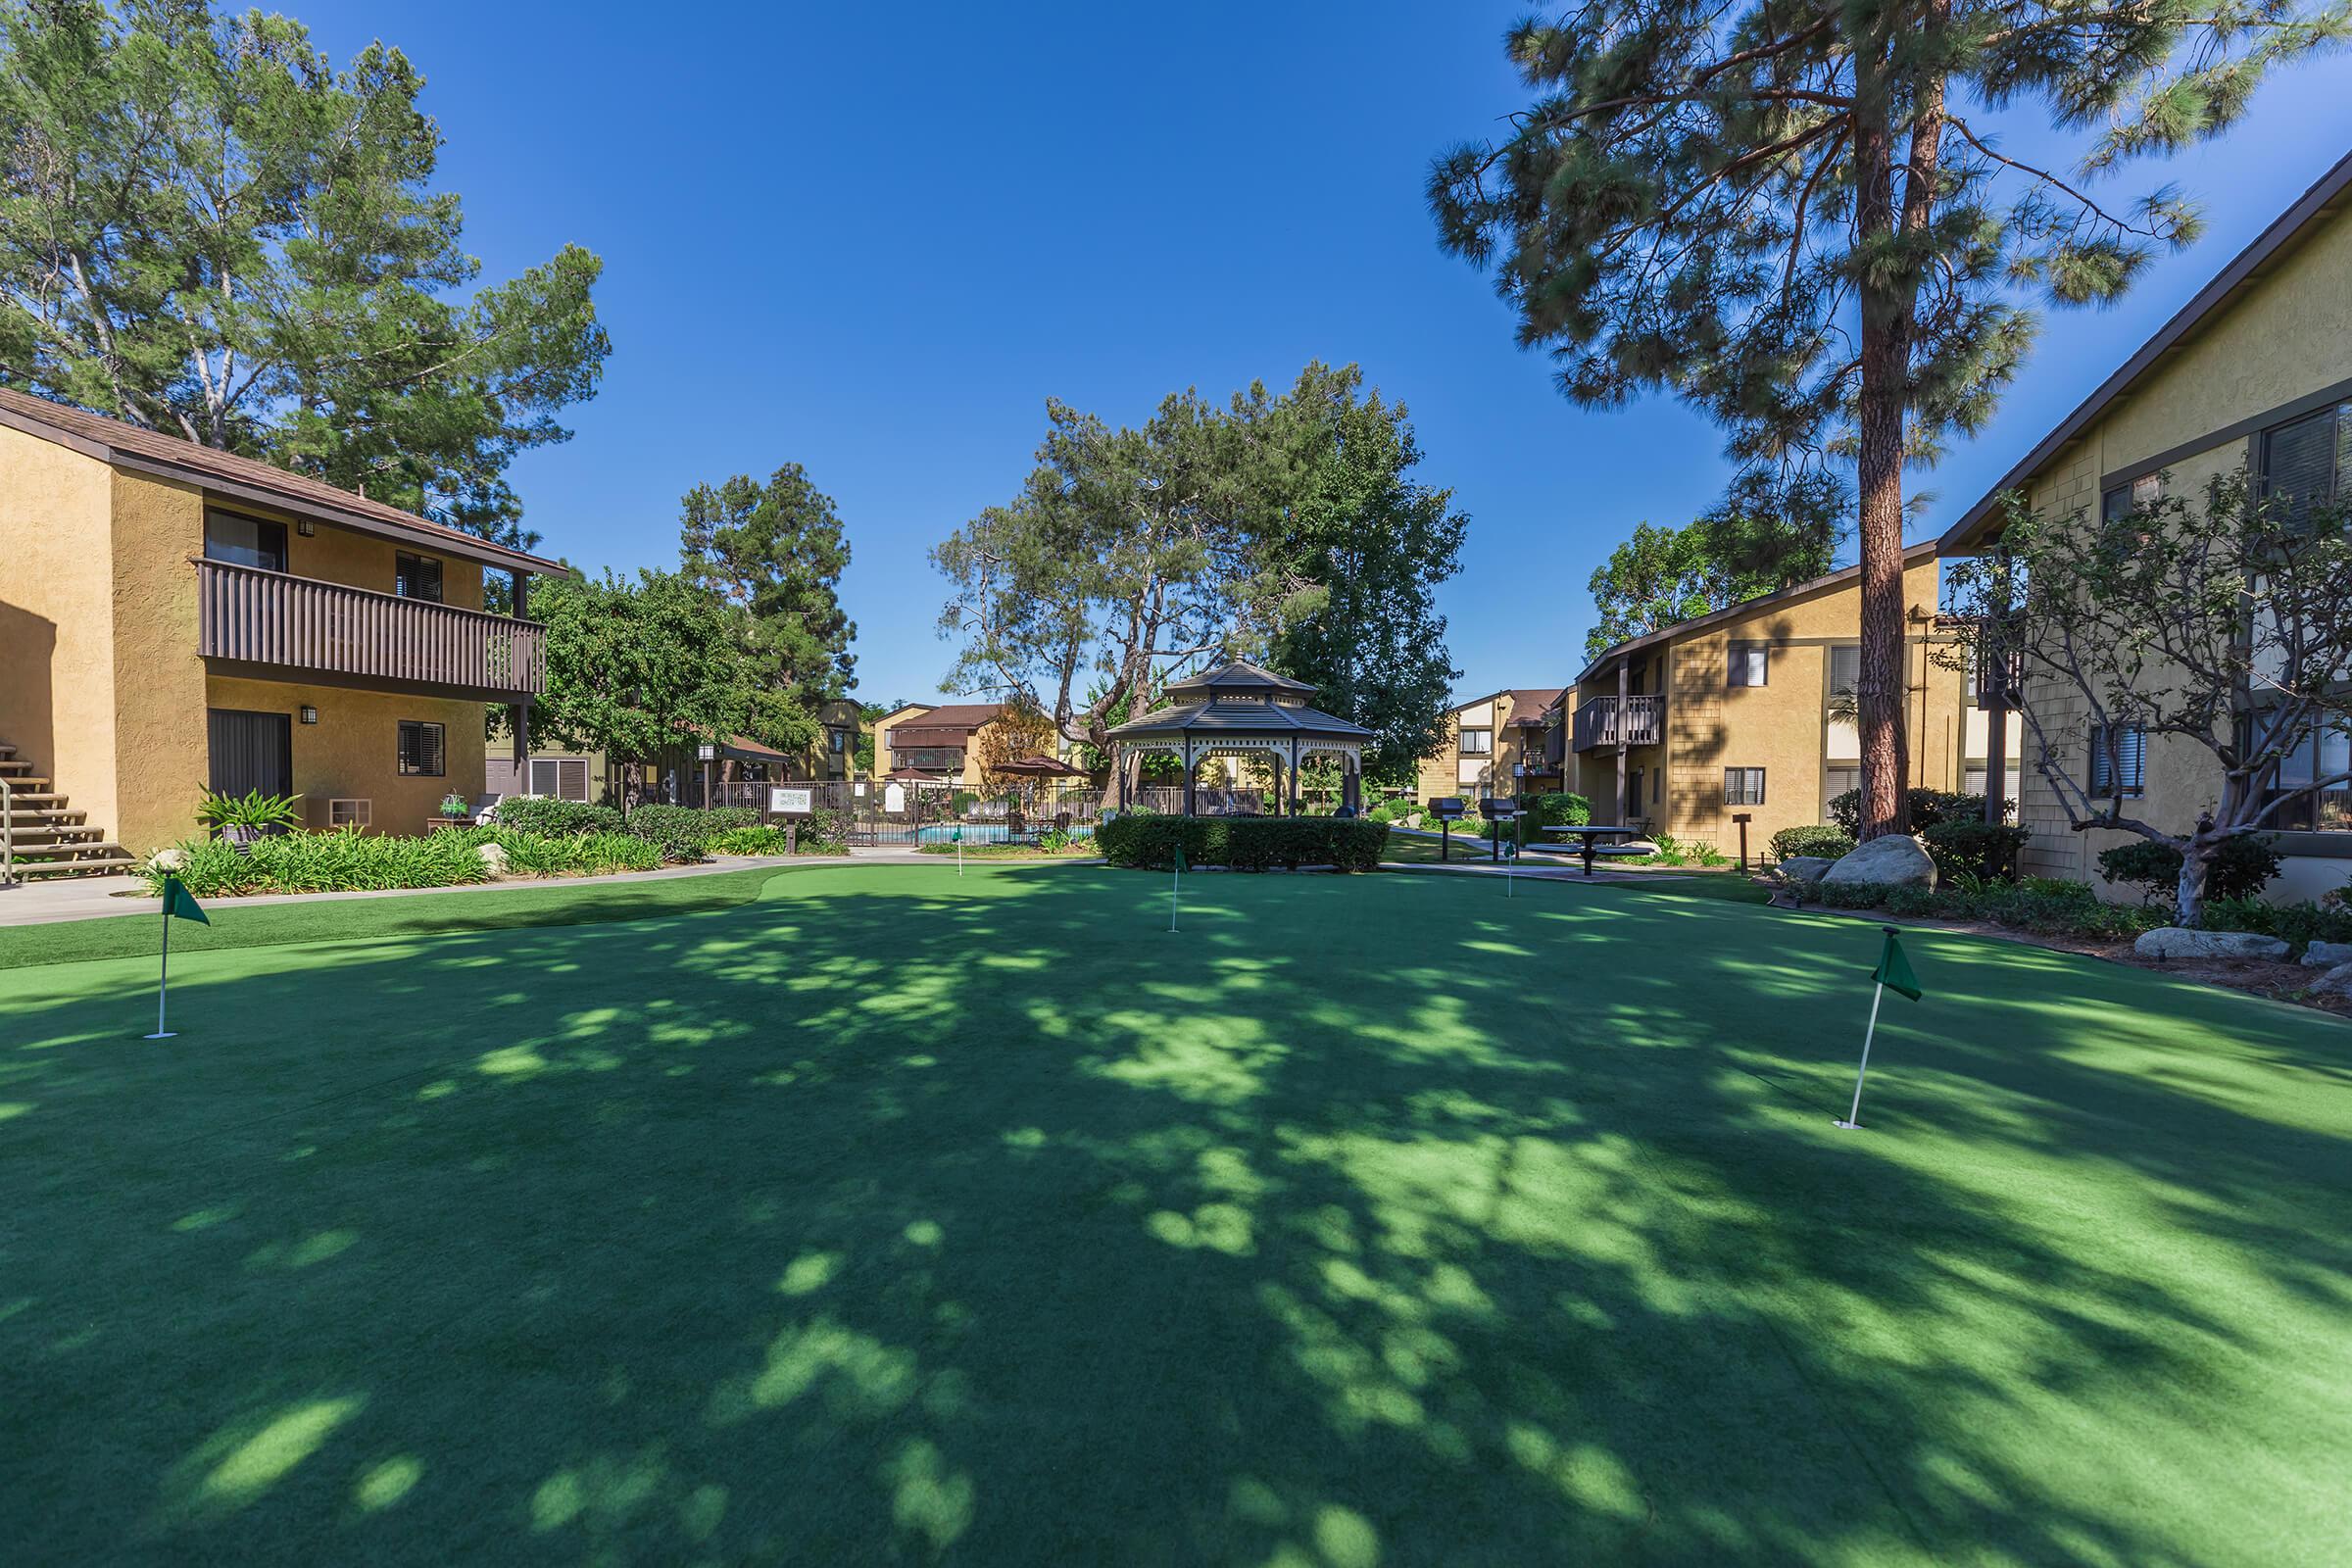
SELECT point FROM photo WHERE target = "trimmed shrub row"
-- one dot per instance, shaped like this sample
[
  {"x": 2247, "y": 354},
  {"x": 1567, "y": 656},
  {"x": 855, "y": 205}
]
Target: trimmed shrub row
[
  {"x": 1822, "y": 840},
  {"x": 2239, "y": 869},
  {"x": 1243, "y": 843}
]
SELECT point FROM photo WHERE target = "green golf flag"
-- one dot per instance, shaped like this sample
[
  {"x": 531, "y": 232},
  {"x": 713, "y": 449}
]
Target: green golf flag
[
  {"x": 956, "y": 833},
  {"x": 1179, "y": 856},
  {"x": 180, "y": 903},
  {"x": 1895, "y": 970}
]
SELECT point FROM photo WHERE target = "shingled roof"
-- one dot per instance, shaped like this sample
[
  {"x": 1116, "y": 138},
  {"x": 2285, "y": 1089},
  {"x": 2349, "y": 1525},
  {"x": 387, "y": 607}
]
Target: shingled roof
[{"x": 169, "y": 457}]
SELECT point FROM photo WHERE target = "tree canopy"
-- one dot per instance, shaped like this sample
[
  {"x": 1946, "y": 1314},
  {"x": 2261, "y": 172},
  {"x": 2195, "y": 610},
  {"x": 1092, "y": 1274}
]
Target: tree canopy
[
  {"x": 2222, "y": 620},
  {"x": 1800, "y": 218},
  {"x": 1362, "y": 548},
  {"x": 1771, "y": 532},
  {"x": 1279, "y": 524},
  {"x": 208, "y": 229}
]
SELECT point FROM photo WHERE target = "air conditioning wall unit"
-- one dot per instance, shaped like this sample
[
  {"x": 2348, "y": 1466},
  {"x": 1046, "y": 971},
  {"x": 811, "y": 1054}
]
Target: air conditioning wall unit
[{"x": 350, "y": 813}]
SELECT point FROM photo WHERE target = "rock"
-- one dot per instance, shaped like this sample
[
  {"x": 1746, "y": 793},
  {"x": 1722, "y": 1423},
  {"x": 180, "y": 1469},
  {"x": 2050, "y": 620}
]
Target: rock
[
  {"x": 1806, "y": 867},
  {"x": 493, "y": 858},
  {"x": 1891, "y": 860},
  {"x": 2180, "y": 942},
  {"x": 175, "y": 858},
  {"x": 2327, "y": 954},
  {"x": 2336, "y": 982}
]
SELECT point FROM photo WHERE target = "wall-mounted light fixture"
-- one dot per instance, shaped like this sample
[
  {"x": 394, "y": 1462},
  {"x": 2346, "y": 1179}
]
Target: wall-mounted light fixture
[
  {"x": 305, "y": 527},
  {"x": 310, "y": 715}
]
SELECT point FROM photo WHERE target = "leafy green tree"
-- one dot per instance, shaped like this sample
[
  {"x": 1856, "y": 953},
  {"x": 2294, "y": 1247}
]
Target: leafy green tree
[
  {"x": 207, "y": 229},
  {"x": 1794, "y": 215},
  {"x": 777, "y": 551},
  {"x": 642, "y": 671},
  {"x": 1361, "y": 551},
  {"x": 1772, "y": 531},
  {"x": 1127, "y": 551}
]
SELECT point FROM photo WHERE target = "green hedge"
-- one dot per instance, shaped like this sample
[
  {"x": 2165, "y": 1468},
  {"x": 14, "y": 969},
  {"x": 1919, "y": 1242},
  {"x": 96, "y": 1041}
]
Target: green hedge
[
  {"x": 680, "y": 830},
  {"x": 533, "y": 813},
  {"x": 1986, "y": 851},
  {"x": 1815, "y": 839},
  {"x": 1928, "y": 807},
  {"x": 1243, "y": 843},
  {"x": 2239, "y": 868}
]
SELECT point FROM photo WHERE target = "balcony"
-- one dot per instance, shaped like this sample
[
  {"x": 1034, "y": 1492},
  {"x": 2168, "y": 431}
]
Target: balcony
[
  {"x": 281, "y": 626},
  {"x": 1598, "y": 723}
]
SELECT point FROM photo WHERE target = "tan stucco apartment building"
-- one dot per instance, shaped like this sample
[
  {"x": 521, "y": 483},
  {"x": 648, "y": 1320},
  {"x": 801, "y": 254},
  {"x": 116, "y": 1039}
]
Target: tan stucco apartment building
[
  {"x": 1494, "y": 745},
  {"x": 175, "y": 619},
  {"x": 1737, "y": 714},
  {"x": 932, "y": 743},
  {"x": 2255, "y": 372}
]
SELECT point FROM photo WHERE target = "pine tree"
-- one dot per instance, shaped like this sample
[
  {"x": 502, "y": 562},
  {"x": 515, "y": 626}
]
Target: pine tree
[{"x": 1798, "y": 216}]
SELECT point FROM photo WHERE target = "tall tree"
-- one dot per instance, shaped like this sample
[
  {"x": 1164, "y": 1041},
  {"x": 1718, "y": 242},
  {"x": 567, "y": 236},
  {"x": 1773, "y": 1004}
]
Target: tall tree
[
  {"x": 1772, "y": 531},
  {"x": 775, "y": 553},
  {"x": 1361, "y": 550},
  {"x": 207, "y": 229},
  {"x": 642, "y": 671},
  {"x": 1128, "y": 551},
  {"x": 1792, "y": 214}
]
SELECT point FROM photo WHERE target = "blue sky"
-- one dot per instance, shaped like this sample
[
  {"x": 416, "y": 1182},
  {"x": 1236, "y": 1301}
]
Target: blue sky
[{"x": 874, "y": 241}]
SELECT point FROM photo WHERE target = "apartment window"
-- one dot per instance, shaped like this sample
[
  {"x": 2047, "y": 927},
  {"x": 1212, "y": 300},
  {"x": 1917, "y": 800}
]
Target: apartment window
[
  {"x": 1750, "y": 665},
  {"x": 2119, "y": 760},
  {"x": 1657, "y": 785},
  {"x": 837, "y": 740},
  {"x": 1477, "y": 742},
  {"x": 2308, "y": 462},
  {"x": 2323, "y": 754},
  {"x": 244, "y": 541},
  {"x": 560, "y": 778},
  {"x": 1846, "y": 669},
  {"x": 1973, "y": 777},
  {"x": 1836, "y": 781},
  {"x": 1744, "y": 786},
  {"x": 1632, "y": 792},
  {"x": 416, "y": 577},
  {"x": 2144, "y": 491},
  {"x": 421, "y": 753}
]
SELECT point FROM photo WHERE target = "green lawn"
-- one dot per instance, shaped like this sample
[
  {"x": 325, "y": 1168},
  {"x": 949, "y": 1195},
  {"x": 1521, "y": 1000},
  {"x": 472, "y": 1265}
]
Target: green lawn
[{"x": 892, "y": 1217}]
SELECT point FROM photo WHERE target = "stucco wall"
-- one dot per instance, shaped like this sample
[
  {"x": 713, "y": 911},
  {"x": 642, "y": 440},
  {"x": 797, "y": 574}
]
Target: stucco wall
[
  {"x": 353, "y": 751},
  {"x": 2284, "y": 338},
  {"x": 162, "y": 761},
  {"x": 57, "y": 643}
]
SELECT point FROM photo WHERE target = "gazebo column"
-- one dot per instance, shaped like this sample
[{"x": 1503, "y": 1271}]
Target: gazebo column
[
  {"x": 1290, "y": 796},
  {"x": 1188, "y": 775}
]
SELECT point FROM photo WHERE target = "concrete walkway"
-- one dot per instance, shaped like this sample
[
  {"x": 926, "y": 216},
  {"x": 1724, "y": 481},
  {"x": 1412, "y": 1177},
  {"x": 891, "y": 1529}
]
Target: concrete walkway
[{"x": 93, "y": 898}]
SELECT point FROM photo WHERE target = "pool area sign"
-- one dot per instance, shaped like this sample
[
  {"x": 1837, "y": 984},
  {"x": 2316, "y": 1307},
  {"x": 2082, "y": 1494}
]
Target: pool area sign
[{"x": 790, "y": 802}]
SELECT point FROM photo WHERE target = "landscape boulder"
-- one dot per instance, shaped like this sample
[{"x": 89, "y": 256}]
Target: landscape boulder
[
  {"x": 1805, "y": 867},
  {"x": 1894, "y": 860},
  {"x": 493, "y": 858},
  {"x": 2180, "y": 942},
  {"x": 2327, "y": 954},
  {"x": 2336, "y": 982}
]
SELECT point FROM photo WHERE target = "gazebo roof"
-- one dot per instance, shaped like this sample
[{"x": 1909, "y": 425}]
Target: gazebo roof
[
  {"x": 1234, "y": 675},
  {"x": 1249, "y": 717}
]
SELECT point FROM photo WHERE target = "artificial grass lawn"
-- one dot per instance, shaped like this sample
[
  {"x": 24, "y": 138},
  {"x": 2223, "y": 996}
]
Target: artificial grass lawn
[{"x": 897, "y": 1217}]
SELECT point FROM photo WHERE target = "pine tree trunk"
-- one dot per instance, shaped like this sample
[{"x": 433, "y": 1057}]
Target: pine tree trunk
[{"x": 1888, "y": 295}]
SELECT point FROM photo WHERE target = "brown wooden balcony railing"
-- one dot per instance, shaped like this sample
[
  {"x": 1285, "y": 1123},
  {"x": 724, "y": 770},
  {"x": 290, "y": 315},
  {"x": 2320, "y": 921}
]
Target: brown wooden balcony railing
[
  {"x": 253, "y": 617},
  {"x": 1597, "y": 722}
]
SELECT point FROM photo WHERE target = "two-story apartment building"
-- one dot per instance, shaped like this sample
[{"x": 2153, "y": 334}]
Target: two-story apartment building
[
  {"x": 1494, "y": 745},
  {"x": 1747, "y": 711},
  {"x": 2253, "y": 374},
  {"x": 175, "y": 619},
  {"x": 927, "y": 743},
  {"x": 565, "y": 773}
]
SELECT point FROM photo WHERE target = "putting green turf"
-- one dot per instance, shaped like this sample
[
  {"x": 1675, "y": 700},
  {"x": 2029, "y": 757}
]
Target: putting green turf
[{"x": 894, "y": 1217}]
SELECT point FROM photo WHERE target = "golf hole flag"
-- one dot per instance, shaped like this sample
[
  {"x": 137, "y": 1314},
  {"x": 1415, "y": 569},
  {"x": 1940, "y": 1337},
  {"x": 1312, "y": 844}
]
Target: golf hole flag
[
  {"x": 178, "y": 904},
  {"x": 1893, "y": 971}
]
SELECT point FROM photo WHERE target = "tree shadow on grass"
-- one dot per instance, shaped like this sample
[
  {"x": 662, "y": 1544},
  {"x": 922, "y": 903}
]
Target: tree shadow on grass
[{"x": 897, "y": 1218}]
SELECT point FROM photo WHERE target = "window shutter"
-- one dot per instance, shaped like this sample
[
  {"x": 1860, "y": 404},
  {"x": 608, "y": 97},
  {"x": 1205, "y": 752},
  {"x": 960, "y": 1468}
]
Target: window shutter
[
  {"x": 543, "y": 775},
  {"x": 2299, "y": 461},
  {"x": 572, "y": 778}
]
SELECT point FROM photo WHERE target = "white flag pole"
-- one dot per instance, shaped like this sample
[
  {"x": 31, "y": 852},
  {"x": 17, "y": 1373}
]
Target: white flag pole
[
  {"x": 1853, "y": 1119},
  {"x": 1174, "y": 887},
  {"x": 162, "y": 975}
]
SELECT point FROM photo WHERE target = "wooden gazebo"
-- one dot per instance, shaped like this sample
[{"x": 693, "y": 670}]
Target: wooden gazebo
[{"x": 1240, "y": 709}]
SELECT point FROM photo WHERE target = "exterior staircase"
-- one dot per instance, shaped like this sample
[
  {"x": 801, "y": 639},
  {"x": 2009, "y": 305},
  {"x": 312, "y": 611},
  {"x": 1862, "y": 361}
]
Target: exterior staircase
[{"x": 48, "y": 837}]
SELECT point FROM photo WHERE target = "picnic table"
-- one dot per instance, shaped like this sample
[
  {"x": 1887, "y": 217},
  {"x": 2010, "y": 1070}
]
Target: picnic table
[{"x": 1592, "y": 836}]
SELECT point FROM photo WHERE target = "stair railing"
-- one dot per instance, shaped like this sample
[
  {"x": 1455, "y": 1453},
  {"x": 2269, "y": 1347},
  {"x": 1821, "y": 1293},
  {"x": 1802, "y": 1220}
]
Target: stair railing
[{"x": 8, "y": 835}]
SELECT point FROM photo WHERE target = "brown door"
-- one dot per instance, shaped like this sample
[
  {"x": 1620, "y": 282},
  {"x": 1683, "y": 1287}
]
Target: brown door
[{"x": 250, "y": 752}]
